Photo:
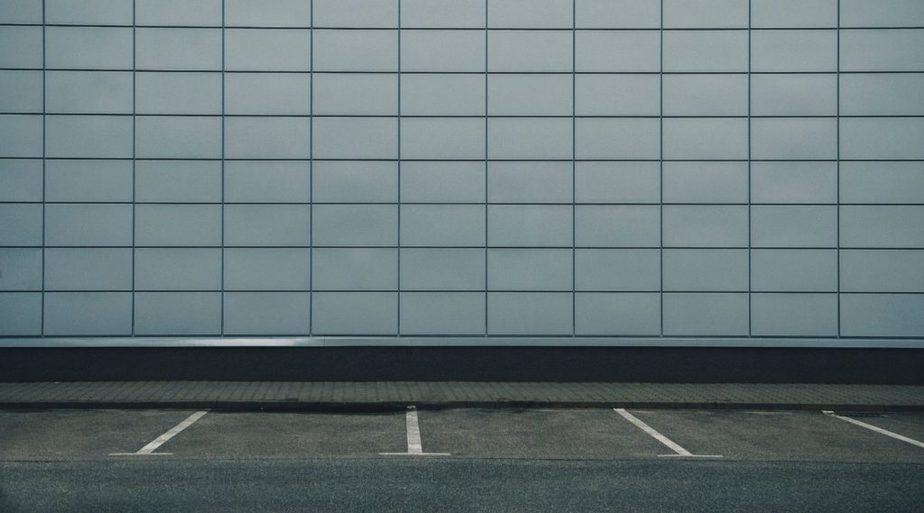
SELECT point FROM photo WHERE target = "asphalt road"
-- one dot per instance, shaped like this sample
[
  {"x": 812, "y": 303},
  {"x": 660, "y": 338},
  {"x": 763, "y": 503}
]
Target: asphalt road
[{"x": 497, "y": 460}]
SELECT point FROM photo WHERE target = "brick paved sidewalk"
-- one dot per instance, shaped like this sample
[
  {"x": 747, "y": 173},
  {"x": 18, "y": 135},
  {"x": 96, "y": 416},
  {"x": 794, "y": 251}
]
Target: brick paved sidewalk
[{"x": 394, "y": 394}]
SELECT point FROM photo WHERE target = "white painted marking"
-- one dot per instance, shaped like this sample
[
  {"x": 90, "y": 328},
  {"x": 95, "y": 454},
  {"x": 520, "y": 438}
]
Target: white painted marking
[
  {"x": 148, "y": 450},
  {"x": 414, "y": 444},
  {"x": 674, "y": 446},
  {"x": 874, "y": 428}
]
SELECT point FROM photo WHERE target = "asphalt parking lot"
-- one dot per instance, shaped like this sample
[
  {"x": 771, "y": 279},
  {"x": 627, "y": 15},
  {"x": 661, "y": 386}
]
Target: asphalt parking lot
[{"x": 454, "y": 459}]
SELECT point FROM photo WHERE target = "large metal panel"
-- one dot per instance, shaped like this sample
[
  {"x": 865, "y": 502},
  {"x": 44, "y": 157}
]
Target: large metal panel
[{"x": 446, "y": 172}]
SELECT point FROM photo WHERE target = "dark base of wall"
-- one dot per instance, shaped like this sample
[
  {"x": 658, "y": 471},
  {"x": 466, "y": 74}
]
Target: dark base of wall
[{"x": 677, "y": 365}]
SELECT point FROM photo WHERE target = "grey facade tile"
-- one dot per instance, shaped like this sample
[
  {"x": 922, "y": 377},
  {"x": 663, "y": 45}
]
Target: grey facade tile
[
  {"x": 442, "y": 13},
  {"x": 352, "y": 313},
  {"x": 177, "y": 225},
  {"x": 705, "y": 226},
  {"x": 443, "y": 182},
  {"x": 705, "y": 50},
  {"x": 793, "y": 13},
  {"x": 178, "y": 269},
  {"x": 20, "y": 313},
  {"x": 20, "y": 47},
  {"x": 882, "y": 182},
  {"x": 280, "y": 13},
  {"x": 88, "y": 180},
  {"x": 355, "y": 13},
  {"x": 442, "y": 313},
  {"x": 529, "y": 313},
  {"x": 180, "y": 181},
  {"x": 89, "y": 47},
  {"x": 882, "y": 315},
  {"x": 539, "y": 51},
  {"x": 88, "y": 136},
  {"x": 882, "y": 270},
  {"x": 442, "y": 225},
  {"x": 21, "y": 11},
  {"x": 529, "y": 182},
  {"x": 529, "y": 225},
  {"x": 442, "y": 50},
  {"x": 794, "y": 270},
  {"x": 178, "y": 12},
  {"x": 88, "y": 269},
  {"x": 617, "y": 14},
  {"x": 20, "y": 224},
  {"x": 618, "y": 51},
  {"x": 529, "y": 269},
  {"x": 177, "y": 93},
  {"x": 22, "y": 135},
  {"x": 88, "y": 313},
  {"x": 267, "y": 225},
  {"x": 267, "y": 50},
  {"x": 705, "y": 182},
  {"x": 177, "y": 137},
  {"x": 706, "y": 14},
  {"x": 794, "y": 182},
  {"x": 267, "y": 93},
  {"x": 89, "y": 12},
  {"x": 88, "y": 225},
  {"x": 20, "y": 269},
  {"x": 355, "y": 268},
  {"x": 529, "y": 138},
  {"x": 21, "y": 180},
  {"x": 262, "y": 313},
  {"x": 530, "y": 13},
  {"x": 716, "y": 270},
  {"x": 355, "y": 225},
  {"x": 20, "y": 91},
  {"x": 267, "y": 137},
  {"x": 356, "y": 93},
  {"x": 882, "y": 226},
  {"x": 85, "y": 92},
  {"x": 794, "y": 94},
  {"x": 616, "y": 225},
  {"x": 267, "y": 181},
  {"x": 617, "y": 314},
  {"x": 794, "y": 226},
  {"x": 617, "y": 269},
  {"x": 703, "y": 314},
  {"x": 177, "y": 313},
  {"x": 443, "y": 268},
  {"x": 169, "y": 48},
  {"x": 617, "y": 182},
  {"x": 267, "y": 268},
  {"x": 802, "y": 315}
]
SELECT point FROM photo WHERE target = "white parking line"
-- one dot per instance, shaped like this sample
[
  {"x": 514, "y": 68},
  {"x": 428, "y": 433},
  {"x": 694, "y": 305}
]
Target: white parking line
[
  {"x": 674, "y": 446},
  {"x": 414, "y": 444},
  {"x": 148, "y": 450},
  {"x": 874, "y": 428}
]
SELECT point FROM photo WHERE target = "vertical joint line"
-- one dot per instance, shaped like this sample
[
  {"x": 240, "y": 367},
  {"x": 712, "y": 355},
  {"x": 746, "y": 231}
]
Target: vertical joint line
[
  {"x": 750, "y": 309},
  {"x": 837, "y": 163},
  {"x": 134, "y": 156},
  {"x": 486, "y": 75},
  {"x": 661, "y": 167},
  {"x": 399, "y": 170},
  {"x": 311, "y": 168},
  {"x": 221, "y": 319},
  {"x": 44, "y": 156},
  {"x": 573, "y": 167}
]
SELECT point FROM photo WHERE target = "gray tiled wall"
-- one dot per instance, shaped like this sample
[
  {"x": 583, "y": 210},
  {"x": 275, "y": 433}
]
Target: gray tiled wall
[{"x": 582, "y": 169}]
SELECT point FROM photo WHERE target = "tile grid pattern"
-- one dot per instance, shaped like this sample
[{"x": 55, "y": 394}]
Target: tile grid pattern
[{"x": 688, "y": 257}]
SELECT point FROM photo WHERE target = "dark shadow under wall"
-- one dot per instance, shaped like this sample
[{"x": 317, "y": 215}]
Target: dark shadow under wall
[{"x": 614, "y": 364}]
